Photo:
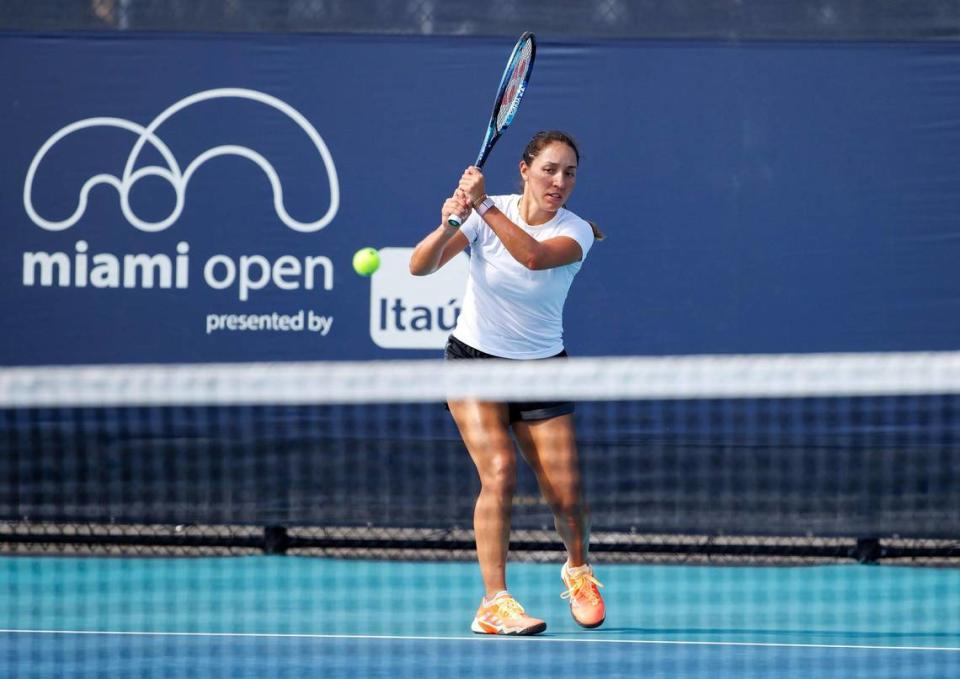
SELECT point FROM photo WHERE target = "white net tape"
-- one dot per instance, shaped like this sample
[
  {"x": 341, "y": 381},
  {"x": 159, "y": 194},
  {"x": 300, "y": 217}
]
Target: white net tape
[{"x": 635, "y": 378}]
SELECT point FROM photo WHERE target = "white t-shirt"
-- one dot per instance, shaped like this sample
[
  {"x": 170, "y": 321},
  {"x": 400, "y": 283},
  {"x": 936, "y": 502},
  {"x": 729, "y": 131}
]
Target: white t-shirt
[{"x": 508, "y": 310}]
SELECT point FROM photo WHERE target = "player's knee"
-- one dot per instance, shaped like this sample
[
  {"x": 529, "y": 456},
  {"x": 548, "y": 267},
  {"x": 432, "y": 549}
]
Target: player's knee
[{"x": 500, "y": 474}]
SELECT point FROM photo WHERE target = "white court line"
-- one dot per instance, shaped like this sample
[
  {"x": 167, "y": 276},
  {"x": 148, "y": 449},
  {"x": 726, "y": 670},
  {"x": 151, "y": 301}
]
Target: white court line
[{"x": 482, "y": 637}]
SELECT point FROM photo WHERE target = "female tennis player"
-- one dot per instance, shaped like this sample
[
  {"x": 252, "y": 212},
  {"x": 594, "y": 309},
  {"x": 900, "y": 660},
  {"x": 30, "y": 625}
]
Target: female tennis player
[{"x": 524, "y": 252}]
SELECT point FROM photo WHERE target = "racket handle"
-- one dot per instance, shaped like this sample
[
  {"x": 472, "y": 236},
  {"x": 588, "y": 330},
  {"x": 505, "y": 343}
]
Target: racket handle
[{"x": 454, "y": 221}]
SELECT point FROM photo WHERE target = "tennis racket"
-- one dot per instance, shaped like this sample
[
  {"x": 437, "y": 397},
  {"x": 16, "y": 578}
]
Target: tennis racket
[{"x": 513, "y": 84}]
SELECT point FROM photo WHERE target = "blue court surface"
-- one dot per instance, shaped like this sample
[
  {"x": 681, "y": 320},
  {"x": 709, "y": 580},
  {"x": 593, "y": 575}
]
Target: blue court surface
[{"x": 300, "y": 616}]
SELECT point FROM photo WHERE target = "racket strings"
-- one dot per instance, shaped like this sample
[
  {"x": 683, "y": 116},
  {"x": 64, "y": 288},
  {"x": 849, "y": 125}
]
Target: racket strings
[{"x": 514, "y": 89}]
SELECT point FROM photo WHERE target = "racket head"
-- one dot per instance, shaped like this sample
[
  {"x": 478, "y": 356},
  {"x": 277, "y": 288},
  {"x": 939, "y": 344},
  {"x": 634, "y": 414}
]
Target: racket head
[
  {"x": 514, "y": 81},
  {"x": 513, "y": 84}
]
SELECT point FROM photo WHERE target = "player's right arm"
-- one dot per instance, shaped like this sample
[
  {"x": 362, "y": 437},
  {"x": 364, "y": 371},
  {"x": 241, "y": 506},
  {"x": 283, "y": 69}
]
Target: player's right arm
[{"x": 443, "y": 243}]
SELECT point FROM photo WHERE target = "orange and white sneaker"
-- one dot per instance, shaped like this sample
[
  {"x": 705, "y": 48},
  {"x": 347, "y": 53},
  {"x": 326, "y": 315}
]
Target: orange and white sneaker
[
  {"x": 504, "y": 615},
  {"x": 586, "y": 604}
]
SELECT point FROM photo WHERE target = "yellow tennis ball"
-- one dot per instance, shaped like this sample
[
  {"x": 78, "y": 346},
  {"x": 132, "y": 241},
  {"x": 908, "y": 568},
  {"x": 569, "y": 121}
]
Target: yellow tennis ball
[{"x": 366, "y": 261}]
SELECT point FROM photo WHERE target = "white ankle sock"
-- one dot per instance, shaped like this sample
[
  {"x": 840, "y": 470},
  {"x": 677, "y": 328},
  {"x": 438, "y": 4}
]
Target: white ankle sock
[{"x": 488, "y": 599}]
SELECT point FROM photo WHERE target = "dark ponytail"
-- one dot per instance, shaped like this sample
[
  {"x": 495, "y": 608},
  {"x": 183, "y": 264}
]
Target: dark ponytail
[{"x": 597, "y": 233}]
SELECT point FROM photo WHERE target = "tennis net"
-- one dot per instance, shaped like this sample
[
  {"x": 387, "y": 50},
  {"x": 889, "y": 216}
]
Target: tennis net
[{"x": 759, "y": 458}]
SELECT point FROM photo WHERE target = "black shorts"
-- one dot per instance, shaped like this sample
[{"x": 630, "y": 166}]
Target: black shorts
[{"x": 524, "y": 411}]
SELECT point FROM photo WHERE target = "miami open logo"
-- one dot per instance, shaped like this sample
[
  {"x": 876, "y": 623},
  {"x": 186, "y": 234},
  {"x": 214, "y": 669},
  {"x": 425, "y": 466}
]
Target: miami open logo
[
  {"x": 179, "y": 177},
  {"x": 88, "y": 267}
]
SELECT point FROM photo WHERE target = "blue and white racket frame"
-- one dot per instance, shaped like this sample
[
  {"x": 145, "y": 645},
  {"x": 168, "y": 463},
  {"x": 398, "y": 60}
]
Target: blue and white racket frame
[{"x": 496, "y": 126}]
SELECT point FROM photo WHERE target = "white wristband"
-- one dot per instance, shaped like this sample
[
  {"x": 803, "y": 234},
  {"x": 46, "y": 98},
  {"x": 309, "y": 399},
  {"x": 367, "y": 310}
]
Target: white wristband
[{"x": 484, "y": 205}]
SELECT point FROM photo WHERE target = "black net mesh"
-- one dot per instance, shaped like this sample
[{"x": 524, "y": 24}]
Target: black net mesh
[{"x": 821, "y": 476}]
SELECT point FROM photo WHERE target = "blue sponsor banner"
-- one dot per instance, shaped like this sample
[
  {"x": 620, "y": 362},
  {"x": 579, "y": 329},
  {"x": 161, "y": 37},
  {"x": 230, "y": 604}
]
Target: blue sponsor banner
[{"x": 173, "y": 198}]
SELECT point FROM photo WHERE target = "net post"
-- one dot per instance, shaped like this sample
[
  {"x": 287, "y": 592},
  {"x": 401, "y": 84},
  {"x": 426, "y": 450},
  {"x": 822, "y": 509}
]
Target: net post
[
  {"x": 868, "y": 550},
  {"x": 275, "y": 540}
]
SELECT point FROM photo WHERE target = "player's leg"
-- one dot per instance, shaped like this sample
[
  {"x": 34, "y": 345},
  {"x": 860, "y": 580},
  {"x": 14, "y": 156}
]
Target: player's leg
[
  {"x": 484, "y": 428},
  {"x": 549, "y": 447}
]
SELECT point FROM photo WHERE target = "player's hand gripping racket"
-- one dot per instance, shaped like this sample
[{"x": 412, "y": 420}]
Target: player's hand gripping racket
[{"x": 513, "y": 84}]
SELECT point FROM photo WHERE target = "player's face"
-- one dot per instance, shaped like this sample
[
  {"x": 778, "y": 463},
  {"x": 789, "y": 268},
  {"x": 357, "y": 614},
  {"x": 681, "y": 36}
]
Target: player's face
[{"x": 549, "y": 180}]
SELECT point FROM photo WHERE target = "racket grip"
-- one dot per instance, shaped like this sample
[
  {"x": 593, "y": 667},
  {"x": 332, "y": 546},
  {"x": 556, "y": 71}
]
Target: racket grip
[{"x": 454, "y": 221}]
